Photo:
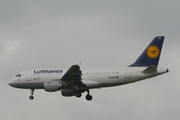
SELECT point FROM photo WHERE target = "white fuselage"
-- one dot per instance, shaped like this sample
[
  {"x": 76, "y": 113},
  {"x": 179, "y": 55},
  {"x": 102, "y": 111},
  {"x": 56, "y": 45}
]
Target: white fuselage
[
  {"x": 91, "y": 77},
  {"x": 76, "y": 80}
]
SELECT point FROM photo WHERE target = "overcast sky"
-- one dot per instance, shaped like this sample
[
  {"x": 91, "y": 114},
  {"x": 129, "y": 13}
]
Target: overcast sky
[{"x": 54, "y": 34}]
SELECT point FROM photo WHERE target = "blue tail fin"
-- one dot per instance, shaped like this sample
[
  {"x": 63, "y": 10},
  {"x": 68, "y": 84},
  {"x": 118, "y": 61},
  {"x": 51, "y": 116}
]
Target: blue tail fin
[{"x": 151, "y": 54}]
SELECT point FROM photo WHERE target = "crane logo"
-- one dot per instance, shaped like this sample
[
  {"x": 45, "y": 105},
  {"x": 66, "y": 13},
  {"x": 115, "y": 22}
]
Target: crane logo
[{"x": 153, "y": 51}]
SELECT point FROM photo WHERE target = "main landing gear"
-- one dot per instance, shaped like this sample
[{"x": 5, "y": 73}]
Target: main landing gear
[
  {"x": 78, "y": 94},
  {"x": 31, "y": 96},
  {"x": 88, "y": 96}
]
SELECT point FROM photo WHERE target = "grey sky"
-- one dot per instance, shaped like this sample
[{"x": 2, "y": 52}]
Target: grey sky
[{"x": 43, "y": 34}]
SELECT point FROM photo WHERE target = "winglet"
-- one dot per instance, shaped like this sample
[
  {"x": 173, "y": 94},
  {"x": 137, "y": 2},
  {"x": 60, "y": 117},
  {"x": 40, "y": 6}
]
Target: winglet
[
  {"x": 79, "y": 64},
  {"x": 151, "y": 55}
]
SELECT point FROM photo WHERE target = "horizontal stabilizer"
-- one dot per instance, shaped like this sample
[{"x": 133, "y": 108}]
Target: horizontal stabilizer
[{"x": 150, "y": 69}]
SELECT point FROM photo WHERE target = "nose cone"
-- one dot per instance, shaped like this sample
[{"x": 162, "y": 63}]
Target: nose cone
[{"x": 11, "y": 83}]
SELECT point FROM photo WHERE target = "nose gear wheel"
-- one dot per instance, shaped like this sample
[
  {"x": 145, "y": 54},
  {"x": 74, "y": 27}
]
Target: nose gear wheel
[{"x": 31, "y": 97}]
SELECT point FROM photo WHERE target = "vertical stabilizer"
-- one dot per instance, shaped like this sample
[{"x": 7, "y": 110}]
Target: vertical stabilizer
[{"x": 151, "y": 54}]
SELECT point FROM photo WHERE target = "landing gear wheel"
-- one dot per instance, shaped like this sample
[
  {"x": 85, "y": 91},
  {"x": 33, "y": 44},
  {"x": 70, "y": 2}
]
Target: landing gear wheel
[
  {"x": 32, "y": 92},
  {"x": 31, "y": 97},
  {"x": 88, "y": 97},
  {"x": 78, "y": 94}
]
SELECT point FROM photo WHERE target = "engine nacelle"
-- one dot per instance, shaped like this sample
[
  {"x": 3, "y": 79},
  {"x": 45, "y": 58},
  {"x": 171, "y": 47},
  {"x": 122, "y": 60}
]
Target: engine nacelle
[
  {"x": 52, "y": 86},
  {"x": 68, "y": 92}
]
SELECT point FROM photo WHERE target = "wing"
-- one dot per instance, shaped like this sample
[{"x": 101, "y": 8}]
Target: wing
[{"x": 72, "y": 75}]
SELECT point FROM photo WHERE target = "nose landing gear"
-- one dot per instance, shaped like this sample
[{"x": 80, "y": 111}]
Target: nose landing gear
[{"x": 31, "y": 96}]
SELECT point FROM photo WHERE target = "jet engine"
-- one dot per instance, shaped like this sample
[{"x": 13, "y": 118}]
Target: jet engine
[
  {"x": 68, "y": 92},
  {"x": 52, "y": 86}
]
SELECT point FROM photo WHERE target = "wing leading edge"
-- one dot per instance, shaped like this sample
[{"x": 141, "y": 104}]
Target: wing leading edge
[{"x": 72, "y": 75}]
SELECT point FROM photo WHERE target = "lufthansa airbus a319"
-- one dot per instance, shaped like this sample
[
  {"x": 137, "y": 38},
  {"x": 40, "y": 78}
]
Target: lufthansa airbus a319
[{"x": 76, "y": 80}]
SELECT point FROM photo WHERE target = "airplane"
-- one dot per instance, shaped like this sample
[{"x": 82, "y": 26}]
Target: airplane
[{"x": 76, "y": 80}]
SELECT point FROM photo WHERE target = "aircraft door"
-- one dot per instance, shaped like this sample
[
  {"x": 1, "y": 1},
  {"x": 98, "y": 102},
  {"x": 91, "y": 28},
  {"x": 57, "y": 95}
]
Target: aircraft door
[
  {"x": 28, "y": 76},
  {"x": 128, "y": 73}
]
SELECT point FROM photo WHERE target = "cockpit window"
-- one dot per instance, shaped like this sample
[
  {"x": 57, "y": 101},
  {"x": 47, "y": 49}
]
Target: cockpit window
[{"x": 18, "y": 75}]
